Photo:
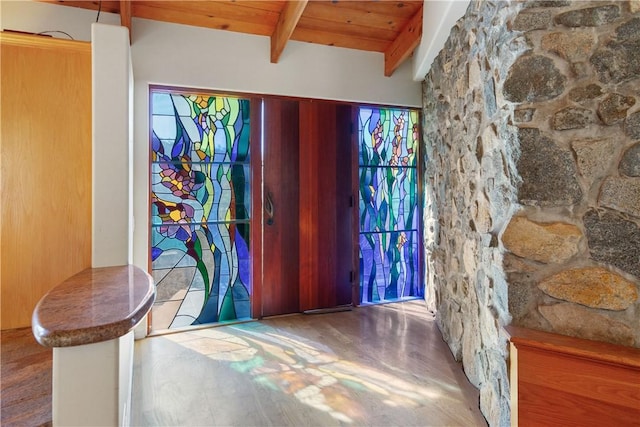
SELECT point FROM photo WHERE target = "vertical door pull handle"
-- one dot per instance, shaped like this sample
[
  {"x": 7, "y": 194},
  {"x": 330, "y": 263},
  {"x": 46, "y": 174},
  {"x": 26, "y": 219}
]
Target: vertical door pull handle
[{"x": 269, "y": 208}]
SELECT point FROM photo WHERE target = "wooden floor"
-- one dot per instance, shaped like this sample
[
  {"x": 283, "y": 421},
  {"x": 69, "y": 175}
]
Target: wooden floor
[
  {"x": 382, "y": 365},
  {"x": 25, "y": 379}
]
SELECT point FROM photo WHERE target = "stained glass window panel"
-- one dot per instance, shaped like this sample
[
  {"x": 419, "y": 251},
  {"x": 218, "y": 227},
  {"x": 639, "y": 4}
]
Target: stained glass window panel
[
  {"x": 389, "y": 266},
  {"x": 200, "y": 128},
  {"x": 200, "y": 208},
  {"x": 186, "y": 190},
  {"x": 388, "y": 204},
  {"x": 388, "y": 199},
  {"x": 388, "y": 137}
]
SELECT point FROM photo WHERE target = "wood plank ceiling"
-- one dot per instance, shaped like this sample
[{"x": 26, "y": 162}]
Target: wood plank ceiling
[{"x": 388, "y": 26}]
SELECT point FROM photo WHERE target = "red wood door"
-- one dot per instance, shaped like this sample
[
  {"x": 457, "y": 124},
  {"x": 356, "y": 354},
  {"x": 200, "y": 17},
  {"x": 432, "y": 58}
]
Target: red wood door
[
  {"x": 326, "y": 205},
  {"x": 280, "y": 206}
]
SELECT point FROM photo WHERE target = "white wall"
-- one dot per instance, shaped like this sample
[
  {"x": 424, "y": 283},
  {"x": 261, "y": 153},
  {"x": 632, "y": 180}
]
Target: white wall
[
  {"x": 199, "y": 57},
  {"x": 438, "y": 16}
]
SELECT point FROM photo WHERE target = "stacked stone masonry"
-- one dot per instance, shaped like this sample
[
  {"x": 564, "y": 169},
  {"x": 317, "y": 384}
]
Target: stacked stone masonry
[
  {"x": 470, "y": 186},
  {"x": 532, "y": 180},
  {"x": 580, "y": 155}
]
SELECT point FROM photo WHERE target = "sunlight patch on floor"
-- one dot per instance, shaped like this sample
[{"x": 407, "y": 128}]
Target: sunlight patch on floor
[{"x": 307, "y": 370}]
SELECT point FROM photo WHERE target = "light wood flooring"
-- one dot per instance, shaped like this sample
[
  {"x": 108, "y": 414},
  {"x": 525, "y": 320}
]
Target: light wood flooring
[{"x": 383, "y": 365}]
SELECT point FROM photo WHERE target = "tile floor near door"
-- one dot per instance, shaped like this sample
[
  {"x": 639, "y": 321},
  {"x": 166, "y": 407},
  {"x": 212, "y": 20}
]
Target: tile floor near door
[{"x": 383, "y": 365}]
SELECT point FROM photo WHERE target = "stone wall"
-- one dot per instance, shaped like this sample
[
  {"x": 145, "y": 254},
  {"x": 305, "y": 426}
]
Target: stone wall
[
  {"x": 573, "y": 265},
  {"x": 471, "y": 194},
  {"x": 532, "y": 180}
]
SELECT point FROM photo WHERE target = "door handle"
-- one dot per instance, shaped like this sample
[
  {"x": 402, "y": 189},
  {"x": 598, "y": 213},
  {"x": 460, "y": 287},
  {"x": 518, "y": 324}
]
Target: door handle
[{"x": 269, "y": 208}]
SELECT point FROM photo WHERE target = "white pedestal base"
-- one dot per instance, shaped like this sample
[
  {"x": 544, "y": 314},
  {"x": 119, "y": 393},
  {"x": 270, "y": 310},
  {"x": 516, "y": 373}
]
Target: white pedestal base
[{"x": 92, "y": 383}]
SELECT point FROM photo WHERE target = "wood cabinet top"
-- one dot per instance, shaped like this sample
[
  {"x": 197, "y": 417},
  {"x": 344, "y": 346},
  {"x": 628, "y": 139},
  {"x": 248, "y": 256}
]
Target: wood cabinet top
[
  {"x": 594, "y": 350},
  {"x": 43, "y": 42}
]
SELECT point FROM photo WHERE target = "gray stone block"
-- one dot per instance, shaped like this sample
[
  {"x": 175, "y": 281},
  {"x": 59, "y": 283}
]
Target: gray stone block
[
  {"x": 630, "y": 163},
  {"x": 632, "y": 126},
  {"x": 572, "y": 118},
  {"x": 630, "y": 30},
  {"x": 589, "y": 17},
  {"x": 533, "y": 78},
  {"x": 617, "y": 62},
  {"x": 585, "y": 93},
  {"x": 622, "y": 194},
  {"x": 548, "y": 172},
  {"x": 613, "y": 109},
  {"x": 613, "y": 240},
  {"x": 533, "y": 20}
]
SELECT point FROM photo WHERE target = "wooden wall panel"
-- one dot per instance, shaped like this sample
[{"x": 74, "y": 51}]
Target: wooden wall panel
[
  {"x": 326, "y": 244},
  {"x": 46, "y": 169},
  {"x": 280, "y": 292}
]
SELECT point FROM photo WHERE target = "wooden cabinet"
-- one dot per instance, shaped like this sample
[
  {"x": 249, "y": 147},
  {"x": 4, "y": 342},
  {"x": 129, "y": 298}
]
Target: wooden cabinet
[
  {"x": 558, "y": 380},
  {"x": 45, "y": 169}
]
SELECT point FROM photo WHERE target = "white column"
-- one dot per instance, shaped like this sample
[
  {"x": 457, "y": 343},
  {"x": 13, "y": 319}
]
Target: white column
[
  {"x": 112, "y": 145},
  {"x": 92, "y": 383}
]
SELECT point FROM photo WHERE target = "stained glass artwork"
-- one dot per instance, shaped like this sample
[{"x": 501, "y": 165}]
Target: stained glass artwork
[
  {"x": 388, "y": 187},
  {"x": 200, "y": 209}
]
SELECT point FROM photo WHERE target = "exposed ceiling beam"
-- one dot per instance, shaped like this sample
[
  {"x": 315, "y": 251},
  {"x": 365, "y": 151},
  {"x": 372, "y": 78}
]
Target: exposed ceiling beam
[
  {"x": 289, "y": 17},
  {"x": 125, "y": 16},
  {"x": 402, "y": 47}
]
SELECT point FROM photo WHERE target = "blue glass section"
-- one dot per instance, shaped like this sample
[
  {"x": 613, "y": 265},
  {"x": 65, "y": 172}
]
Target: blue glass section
[
  {"x": 389, "y": 267},
  {"x": 388, "y": 204}
]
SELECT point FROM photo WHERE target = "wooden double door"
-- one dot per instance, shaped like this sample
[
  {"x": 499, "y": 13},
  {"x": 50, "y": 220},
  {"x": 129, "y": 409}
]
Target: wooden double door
[{"x": 307, "y": 208}]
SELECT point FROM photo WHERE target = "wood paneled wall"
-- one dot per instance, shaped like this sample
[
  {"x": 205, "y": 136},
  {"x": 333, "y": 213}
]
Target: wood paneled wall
[{"x": 46, "y": 169}]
